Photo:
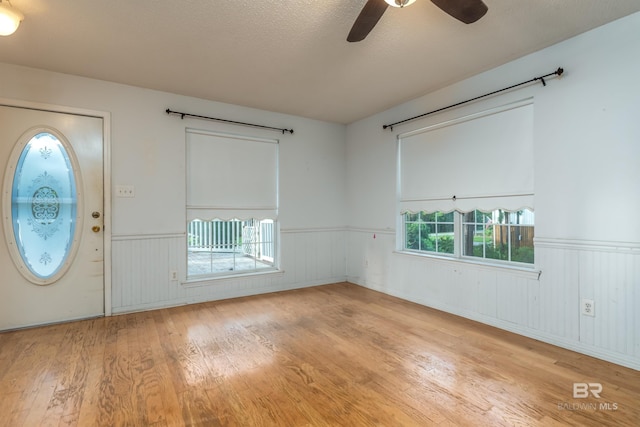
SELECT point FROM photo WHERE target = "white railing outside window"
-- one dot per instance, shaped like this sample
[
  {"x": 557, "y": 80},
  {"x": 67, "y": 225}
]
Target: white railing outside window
[
  {"x": 214, "y": 236},
  {"x": 218, "y": 246}
]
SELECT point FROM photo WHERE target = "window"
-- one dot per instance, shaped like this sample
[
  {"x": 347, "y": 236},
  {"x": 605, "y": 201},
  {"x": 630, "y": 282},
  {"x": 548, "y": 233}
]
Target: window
[
  {"x": 463, "y": 186},
  {"x": 429, "y": 232},
  {"x": 44, "y": 207},
  {"x": 498, "y": 235},
  {"x": 216, "y": 247},
  {"x": 232, "y": 204}
]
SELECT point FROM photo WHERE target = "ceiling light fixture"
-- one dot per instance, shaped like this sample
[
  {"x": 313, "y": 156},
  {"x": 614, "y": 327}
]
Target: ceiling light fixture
[
  {"x": 10, "y": 18},
  {"x": 399, "y": 3}
]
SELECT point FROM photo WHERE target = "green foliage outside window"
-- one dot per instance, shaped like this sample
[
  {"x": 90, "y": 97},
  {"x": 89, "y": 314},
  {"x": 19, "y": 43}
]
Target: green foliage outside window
[
  {"x": 501, "y": 252},
  {"x": 431, "y": 232},
  {"x": 498, "y": 235}
]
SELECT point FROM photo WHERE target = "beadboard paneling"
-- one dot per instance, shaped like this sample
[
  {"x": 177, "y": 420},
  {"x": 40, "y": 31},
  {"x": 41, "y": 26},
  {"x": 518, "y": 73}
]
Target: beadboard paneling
[
  {"x": 607, "y": 273},
  {"x": 142, "y": 266}
]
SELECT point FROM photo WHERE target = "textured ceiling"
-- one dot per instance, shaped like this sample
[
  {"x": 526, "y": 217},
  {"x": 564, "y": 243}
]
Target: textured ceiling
[{"x": 289, "y": 56}]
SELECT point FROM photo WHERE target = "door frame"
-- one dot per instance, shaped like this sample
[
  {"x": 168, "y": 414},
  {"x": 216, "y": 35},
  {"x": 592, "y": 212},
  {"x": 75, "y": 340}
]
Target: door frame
[{"x": 106, "y": 176}]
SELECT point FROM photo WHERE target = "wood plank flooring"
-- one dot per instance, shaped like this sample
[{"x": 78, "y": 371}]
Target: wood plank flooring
[{"x": 337, "y": 355}]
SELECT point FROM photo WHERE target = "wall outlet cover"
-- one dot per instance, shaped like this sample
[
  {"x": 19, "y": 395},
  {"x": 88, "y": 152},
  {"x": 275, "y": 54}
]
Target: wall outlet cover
[{"x": 588, "y": 307}]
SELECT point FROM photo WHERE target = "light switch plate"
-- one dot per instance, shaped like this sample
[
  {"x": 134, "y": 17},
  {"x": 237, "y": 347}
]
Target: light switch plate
[{"x": 125, "y": 191}]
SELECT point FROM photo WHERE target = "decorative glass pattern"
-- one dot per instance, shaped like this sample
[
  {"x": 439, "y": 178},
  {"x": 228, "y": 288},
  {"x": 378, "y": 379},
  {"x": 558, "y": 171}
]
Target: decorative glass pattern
[{"x": 44, "y": 205}]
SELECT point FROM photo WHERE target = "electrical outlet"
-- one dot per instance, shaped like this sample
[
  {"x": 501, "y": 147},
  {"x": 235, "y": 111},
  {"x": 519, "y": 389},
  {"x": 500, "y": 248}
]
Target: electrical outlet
[
  {"x": 173, "y": 275},
  {"x": 588, "y": 307},
  {"x": 125, "y": 191}
]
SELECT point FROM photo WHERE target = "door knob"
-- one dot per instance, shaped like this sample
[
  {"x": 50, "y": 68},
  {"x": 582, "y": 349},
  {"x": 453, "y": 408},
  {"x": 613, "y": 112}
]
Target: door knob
[{"x": 95, "y": 228}]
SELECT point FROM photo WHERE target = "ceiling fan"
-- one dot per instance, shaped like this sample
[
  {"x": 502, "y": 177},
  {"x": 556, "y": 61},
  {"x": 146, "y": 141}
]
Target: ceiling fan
[{"x": 467, "y": 11}]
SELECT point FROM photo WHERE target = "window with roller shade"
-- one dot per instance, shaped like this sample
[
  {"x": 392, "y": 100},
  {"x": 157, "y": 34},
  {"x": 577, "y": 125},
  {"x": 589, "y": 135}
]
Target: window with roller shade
[
  {"x": 470, "y": 169},
  {"x": 232, "y": 204}
]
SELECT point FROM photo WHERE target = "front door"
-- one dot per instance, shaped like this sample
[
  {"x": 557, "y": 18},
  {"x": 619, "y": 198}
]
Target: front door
[{"x": 51, "y": 239}]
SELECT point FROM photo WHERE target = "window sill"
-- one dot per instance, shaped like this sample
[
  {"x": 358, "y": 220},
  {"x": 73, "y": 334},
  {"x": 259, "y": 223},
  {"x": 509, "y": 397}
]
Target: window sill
[
  {"x": 225, "y": 279},
  {"x": 528, "y": 272}
]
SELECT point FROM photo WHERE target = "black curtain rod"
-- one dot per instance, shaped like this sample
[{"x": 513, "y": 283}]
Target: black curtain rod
[
  {"x": 233, "y": 122},
  {"x": 557, "y": 72}
]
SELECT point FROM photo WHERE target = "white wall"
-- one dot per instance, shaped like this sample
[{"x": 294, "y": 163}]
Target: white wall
[
  {"x": 587, "y": 152},
  {"x": 148, "y": 151}
]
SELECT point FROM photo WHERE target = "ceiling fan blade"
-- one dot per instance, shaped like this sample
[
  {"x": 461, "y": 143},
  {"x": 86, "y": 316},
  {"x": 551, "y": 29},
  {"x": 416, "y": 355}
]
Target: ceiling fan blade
[
  {"x": 467, "y": 11},
  {"x": 368, "y": 18}
]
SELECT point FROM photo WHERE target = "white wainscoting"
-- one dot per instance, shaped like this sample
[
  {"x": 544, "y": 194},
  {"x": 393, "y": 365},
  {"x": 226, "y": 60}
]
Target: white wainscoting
[
  {"x": 142, "y": 265},
  {"x": 546, "y": 308},
  {"x": 607, "y": 273}
]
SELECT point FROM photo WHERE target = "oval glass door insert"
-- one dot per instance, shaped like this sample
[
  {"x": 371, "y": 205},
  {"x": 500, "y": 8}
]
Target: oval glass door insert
[{"x": 44, "y": 207}]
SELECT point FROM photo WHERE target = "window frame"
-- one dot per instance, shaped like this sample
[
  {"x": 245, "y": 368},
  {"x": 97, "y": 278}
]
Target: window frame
[
  {"x": 420, "y": 222},
  {"x": 419, "y": 185},
  {"x": 270, "y": 264},
  {"x": 459, "y": 241},
  {"x": 228, "y": 212},
  {"x": 509, "y": 226}
]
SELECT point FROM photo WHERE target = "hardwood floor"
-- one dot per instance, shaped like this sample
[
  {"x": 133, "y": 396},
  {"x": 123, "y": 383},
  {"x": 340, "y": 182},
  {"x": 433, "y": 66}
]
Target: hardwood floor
[{"x": 337, "y": 355}]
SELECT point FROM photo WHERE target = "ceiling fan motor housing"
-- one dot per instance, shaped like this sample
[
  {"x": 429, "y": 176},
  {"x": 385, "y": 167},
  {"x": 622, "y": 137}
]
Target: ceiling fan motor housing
[{"x": 399, "y": 3}]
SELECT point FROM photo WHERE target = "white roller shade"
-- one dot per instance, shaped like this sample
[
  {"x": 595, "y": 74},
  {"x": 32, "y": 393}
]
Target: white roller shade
[
  {"x": 231, "y": 177},
  {"x": 485, "y": 161}
]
